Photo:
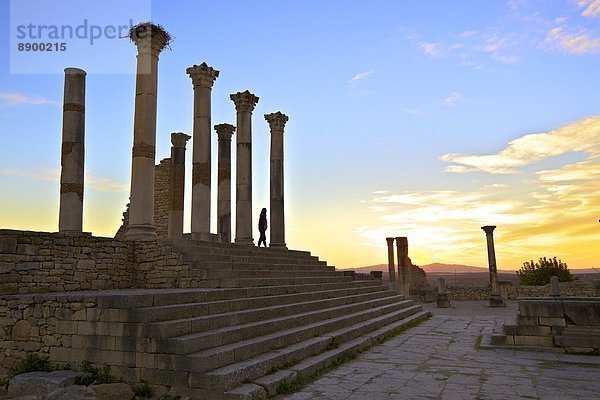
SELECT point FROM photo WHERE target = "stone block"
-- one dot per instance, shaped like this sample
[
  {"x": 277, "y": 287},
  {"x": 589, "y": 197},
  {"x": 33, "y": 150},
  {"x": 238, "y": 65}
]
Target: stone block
[
  {"x": 527, "y": 330},
  {"x": 527, "y": 321},
  {"x": 21, "y": 330},
  {"x": 71, "y": 393},
  {"x": 164, "y": 377},
  {"x": 40, "y": 383},
  {"x": 541, "y": 308},
  {"x": 582, "y": 312},
  {"x": 8, "y": 244},
  {"x": 66, "y": 327},
  {"x": 542, "y": 341},
  {"x": 9, "y": 288},
  {"x": 547, "y": 321},
  {"x": 28, "y": 249},
  {"x": 113, "y": 391}
]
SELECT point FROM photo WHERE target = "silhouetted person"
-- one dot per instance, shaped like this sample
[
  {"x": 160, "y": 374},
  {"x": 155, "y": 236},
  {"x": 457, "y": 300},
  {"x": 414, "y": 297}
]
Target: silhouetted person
[{"x": 262, "y": 227}]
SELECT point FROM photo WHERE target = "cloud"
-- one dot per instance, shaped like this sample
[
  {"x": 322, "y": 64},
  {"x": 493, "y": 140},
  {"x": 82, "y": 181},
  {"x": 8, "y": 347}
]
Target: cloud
[
  {"x": 53, "y": 174},
  {"x": 362, "y": 75},
  {"x": 581, "y": 136},
  {"x": 453, "y": 99},
  {"x": 591, "y": 7},
  {"x": 576, "y": 43},
  {"x": 431, "y": 49},
  {"x": 13, "y": 99}
]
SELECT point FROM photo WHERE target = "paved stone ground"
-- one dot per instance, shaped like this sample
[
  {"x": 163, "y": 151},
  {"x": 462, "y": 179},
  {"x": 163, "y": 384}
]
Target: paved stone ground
[{"x": 439, "y": 360}]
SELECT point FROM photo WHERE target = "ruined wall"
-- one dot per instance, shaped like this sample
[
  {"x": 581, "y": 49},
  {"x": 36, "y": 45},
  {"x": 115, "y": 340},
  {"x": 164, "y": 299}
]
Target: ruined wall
[
  {"x": 38, "y": 262},
  {"x": 512, "y": 292},
  {"x": 162, "y": 193},
  {"x": 35, "y": 262}
]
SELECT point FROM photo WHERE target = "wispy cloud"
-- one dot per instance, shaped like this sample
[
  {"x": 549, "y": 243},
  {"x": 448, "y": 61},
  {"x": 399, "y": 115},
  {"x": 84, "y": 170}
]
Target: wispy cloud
[
  {"x": 13, "y": 99},
  {"x": 454, "y": 99},
  {"x": 431, "y": 49},
  {"x": 53, "y": 174},
  {"x": 576, "y": 43},
  {"x": 591, "y": 8},
  {"x": 362, "y": 75},
  {"x": 582, "y": 136}
]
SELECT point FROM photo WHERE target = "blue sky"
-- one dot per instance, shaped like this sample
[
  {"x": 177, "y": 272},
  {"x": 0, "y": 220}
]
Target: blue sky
[{"x": 392, "y": 105}]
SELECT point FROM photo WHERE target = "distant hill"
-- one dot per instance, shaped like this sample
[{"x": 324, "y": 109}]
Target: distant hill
[{"x": 434, "y": 268}]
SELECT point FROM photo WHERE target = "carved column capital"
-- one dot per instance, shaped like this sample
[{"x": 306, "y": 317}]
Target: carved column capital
[
  {"x": 488, "y": 229},
  {"x": 276, "y": 120},
  {"x": 224, "y": 131},
  {"x": 244, "y": 101},
  {"x": 149, "y": 38},
  {"x": 202, "y": 75},
  {"x": 179, "y": 139}
]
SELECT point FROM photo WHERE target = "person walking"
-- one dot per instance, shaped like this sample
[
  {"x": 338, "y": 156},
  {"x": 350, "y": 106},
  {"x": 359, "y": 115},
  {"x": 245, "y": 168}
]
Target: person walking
[{"x": 262, "y": 227}]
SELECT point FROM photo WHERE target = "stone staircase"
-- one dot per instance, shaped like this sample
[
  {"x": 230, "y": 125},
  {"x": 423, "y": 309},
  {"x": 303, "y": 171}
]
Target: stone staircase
[{"x": 263, "y": 318}]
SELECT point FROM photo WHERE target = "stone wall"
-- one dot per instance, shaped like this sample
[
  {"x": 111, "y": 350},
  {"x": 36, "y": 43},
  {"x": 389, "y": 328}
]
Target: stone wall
[
  {"x": 38, "y": 262},
  {"x": 512, "y": 292},
  {"x": 35, "y": 262},
  {"x": 162, "y": 193}
]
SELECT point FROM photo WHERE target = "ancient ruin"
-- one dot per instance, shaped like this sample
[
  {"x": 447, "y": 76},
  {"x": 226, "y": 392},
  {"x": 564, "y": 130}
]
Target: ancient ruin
[
  {"x": 187, "y": 313},
  {"x": 495, "y": 296}
]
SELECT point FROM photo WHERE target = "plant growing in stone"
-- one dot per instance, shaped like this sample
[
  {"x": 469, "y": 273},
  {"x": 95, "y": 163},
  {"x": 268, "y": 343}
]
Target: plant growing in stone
[
  {"x": 539, "y": 273},
  {"x": 32, "y": 363}
]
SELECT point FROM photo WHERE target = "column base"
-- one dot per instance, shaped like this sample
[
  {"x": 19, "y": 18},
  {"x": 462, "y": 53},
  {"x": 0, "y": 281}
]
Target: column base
[
  {"x": 278, "y": 245},
  {"x": 143, "y": 232},
  {"x": 496, "y": 300},
  {"x": 244, "y": 241},
  {"x": 442, "y": 301}
]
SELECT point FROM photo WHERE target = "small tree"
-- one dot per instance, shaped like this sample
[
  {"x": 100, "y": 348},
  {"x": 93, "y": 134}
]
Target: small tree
[{"x": 540, "y": 273}]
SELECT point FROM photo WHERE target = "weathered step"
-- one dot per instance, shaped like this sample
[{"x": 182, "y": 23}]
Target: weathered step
[
  {"x": 270, "y": 383},
  {"x": 196, "y": 309},
  {"x": 253, "y": 282},
  {"x": 267, "y": 273},
  {"x": 351, "y": 326},
  {"x": 313, "y": 266},
  {"x": 255, "y": 258},
  {"x": 232, "y": 375},
  {"x": 186, "y": 337}
]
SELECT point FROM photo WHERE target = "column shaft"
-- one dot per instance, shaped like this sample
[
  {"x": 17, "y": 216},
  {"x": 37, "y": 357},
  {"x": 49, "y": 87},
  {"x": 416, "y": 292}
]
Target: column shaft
[
  {"x": 177, "y": 185},
  {"x": 277, "y": 123},
  {"x": 403, "y": 266},
  {"x": 72, "y": 154},
  {"x": 224, "y": 132},
  {"x": 141, "y": 209},
  {"x": 391, "y": 266},
  {"x": 245, "y": 103},
  {"x": 495, "y": 296}
]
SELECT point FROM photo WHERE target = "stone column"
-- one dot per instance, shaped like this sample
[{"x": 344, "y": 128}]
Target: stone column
[
  {"x": 150, "y": 40},
  {"x": 277, "y": 124},
  {"x": 403, "y": 267},
  {"x": 177, "y": 184},
  {"x": 70, "y": 215},
  {"x": 495, "y": 296},
  {"x": 224, "y": 132},
  {"x": 391, "y": 266},
  {"x": 244, "y": 104},
  {"x": 203, "y": 78},
  {"x": 442, "y": 298}
]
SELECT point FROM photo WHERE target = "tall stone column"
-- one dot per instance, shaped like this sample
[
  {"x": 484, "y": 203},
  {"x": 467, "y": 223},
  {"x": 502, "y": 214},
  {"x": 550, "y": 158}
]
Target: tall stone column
[
  {"x": 391, "y": 266},
  {"x": 277, "y": 213},
  {"x": 244, "y": 104},
  {"x": 495, "y": 296},
  {"x": 403, "y": 266},
  {"x": 150, "y": 40},
  {"x": 70, "y": 215},
  {"x": 177, "y": 184},
  {"x": 203, "y": 78},
  {"x": 224, "y": 132}
]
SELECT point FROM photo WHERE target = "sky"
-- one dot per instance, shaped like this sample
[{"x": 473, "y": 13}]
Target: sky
[{"x": 418, "y": 118}]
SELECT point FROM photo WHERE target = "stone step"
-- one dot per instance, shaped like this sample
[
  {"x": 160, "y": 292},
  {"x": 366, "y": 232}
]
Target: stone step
[
  {"x": 267, "y": 273},
  {"x": 232, "y": 375},
  {"x": 220, "y": 265},
  {"x": 255, "y": 258},
  {"x": 186, "y": 336},
  {"x": 347, "y": 328},
  {"x": 195, "y": 309},
  {"x": 277, "y": 281},
  {"x": 196, "y": 245},
  {"x": 267, "y": 385}
]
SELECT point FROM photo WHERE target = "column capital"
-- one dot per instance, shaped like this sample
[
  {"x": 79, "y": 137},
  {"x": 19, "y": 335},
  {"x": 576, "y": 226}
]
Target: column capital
[
  {"x": 202, "y": 75},
  {"x": 276, "y": 120},
  {"x": 224, "y": 131},
  {"x": 402, "y": 241},
  {"x": 147, "y": 36},
  {"x": 390, "y": 240},
  {"x": 244, "y": 101},
  {"x": 179, "y": 139},
  {"x": 488, "y": 229}
]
